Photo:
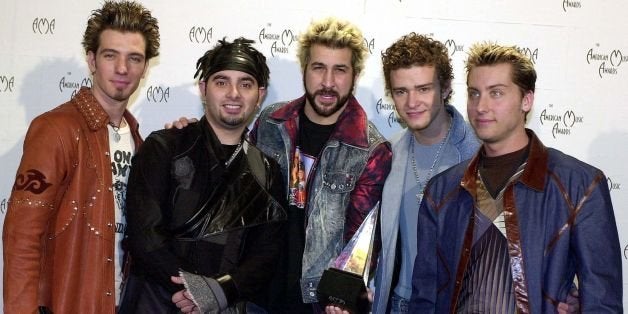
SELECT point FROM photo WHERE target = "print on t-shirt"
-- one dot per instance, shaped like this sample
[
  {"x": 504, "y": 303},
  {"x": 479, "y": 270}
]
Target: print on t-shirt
[
  {"x": 120, "y": 167},
  {"x": 299, "y": 173}
]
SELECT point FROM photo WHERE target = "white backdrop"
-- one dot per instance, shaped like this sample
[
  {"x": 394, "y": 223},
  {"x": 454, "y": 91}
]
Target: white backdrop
[{"x": 580, "y": 49}]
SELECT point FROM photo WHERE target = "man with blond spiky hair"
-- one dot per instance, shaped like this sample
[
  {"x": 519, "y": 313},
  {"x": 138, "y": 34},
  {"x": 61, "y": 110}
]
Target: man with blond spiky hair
[
  {"x": 66, "y": 218},
  {"x": 511, "y": 229},
  {"x": 344, "y": 158}
]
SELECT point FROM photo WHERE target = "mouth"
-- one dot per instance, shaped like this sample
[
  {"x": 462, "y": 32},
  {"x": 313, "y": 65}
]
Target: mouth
[
  {"x": 483, "y": 121},
  {"x": 232, "y": 108},
  {"x": 327, "y": 96},
  {"x": 413, "y": 114},
  {"x": 120, "y": 84}
]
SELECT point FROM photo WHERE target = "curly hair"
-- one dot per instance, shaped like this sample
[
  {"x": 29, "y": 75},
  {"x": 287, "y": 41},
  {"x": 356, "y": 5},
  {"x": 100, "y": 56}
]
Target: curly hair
[
  {"x": 488, "y": 53},
  {"x": 334, "y": 33},
  {"x": 418, "y": 50},
  {"x": 239, "y": 55},
  {"x": 125, "y": 16}
]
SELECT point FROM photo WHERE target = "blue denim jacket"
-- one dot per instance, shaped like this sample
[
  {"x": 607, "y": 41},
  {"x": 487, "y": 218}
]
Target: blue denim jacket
[
  {"x": 347, "y": 179},
  {"x": 559, "y": 224}
]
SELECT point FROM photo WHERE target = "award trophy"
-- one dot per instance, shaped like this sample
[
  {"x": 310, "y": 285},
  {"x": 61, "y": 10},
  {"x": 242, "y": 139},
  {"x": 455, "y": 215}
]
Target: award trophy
[{"x": 344, "y": 284}]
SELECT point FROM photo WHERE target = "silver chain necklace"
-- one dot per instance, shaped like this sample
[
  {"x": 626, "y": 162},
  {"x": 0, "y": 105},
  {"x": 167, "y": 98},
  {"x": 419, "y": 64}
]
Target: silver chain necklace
[
  {"x": 235, "y": 153},
  {"x": 419, "y": 196}
]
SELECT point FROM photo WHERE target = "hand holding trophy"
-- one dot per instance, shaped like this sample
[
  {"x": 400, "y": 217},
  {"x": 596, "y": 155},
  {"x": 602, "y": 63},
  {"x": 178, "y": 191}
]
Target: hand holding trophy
[{"x": 344, "y": 284}]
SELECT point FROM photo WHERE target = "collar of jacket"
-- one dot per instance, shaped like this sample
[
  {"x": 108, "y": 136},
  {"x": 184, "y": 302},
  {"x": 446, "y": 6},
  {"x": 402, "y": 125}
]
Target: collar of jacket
[
  {"x": 458, "y": 131},
  {"x": 351, "y": 127},
  {"x": 533, "y": 175},
  {"x": 94, "y": 114},
  {"x": 214, "y": 146}
]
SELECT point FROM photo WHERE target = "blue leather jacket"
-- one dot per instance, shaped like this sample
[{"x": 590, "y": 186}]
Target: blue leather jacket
[
  {"x": 346, "y": 184},
  {"x": 559, "y": 224},
  {"x": 463, "y": 143}
]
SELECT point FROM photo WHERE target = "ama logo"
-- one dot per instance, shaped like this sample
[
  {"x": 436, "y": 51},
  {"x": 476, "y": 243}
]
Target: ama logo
[
  {"x": 7, "y": 84},
  {"x": 158, "y": 94},
  {"x": 42, "y": 25},
  {"x": 200, "y": 34}
]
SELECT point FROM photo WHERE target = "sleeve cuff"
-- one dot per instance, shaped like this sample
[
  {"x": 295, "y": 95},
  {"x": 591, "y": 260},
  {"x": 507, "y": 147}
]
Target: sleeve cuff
[{"x": 207, "y": 293}]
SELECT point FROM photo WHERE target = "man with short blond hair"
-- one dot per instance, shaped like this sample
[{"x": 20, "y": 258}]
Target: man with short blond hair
[{"x": 510, "y": 230}]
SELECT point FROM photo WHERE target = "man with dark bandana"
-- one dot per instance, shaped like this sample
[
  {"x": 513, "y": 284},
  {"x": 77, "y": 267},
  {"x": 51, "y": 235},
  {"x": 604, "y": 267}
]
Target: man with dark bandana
[
  {"x": 510, "y": 230},
  {"x": 205, "y": 208}
]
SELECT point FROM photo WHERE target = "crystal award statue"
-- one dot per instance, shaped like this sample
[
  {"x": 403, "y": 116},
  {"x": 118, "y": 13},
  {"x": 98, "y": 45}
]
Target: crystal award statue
[{"x": 344, "y": 283}]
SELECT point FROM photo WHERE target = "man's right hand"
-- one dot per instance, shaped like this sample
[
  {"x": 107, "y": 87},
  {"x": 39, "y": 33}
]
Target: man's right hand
[
  {"x": 180, "y": 124},
  {"x": 337, "y": 309}
]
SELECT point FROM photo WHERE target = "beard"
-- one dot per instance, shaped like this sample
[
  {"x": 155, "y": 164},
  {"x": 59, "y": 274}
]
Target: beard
[
  {"x": 235, "y": 121},
  {"x": 327, "y": 110},
  {"x": 232, "y": 121}
]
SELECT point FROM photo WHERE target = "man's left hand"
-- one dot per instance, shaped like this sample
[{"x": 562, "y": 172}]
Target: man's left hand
[{"x": 183, "y": 299}]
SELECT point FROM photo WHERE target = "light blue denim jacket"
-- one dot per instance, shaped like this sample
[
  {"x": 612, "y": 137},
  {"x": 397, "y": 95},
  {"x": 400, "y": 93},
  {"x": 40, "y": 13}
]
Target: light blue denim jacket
[
  {"x": 347, "y": 179},
  {"x": 464, "y": 141}
]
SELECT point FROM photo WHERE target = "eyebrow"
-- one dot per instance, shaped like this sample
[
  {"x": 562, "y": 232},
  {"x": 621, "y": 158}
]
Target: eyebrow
[
  {"x": 497, "y": 85},
  {"x": 111, "y": 50},
  {"x": 430, "y": 84},
  {"x": 334, "y": 65},
  {"x": 239, "y": 79}
]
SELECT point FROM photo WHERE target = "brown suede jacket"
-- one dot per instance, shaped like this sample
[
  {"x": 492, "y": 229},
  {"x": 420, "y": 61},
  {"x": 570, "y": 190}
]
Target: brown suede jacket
[{"x": 59, "y": 229}]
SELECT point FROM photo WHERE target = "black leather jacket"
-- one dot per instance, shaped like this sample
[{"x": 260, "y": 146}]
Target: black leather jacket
[{"x": 187, "y": 210}]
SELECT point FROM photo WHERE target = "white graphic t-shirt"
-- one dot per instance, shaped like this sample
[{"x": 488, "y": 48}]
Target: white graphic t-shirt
[{"x": 121, "y": 148}]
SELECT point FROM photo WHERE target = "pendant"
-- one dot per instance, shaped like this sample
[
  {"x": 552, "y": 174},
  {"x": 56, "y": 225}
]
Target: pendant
[
  {"x": 419, "y": 197},
  {"x": 116, "y": 137}
]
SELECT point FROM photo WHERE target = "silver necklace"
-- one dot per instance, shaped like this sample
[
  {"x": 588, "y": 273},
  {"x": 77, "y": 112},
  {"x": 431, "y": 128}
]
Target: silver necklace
[
  {"x": 419, "y": 196},
  {"x": 116, "y": 131},
  {"x": 235, "y": 153}
]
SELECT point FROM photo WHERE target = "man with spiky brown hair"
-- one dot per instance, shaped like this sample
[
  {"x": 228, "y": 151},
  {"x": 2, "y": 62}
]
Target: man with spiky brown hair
[{"x": 66, "y": 217}]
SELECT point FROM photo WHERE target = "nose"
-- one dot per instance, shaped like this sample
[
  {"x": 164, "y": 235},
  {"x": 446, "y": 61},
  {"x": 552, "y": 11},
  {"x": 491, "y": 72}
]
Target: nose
[
  {"x": 121, "y": 66},
  {"x": 413, "y": 99},
  {"x": 233, "y": 92},
  {"x": 328, "y": 79},
  {"x": 482, "y": 104}
]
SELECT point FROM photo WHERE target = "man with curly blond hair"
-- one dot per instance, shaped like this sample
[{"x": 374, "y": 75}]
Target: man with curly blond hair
[
  {"x": 66, "y": 218},
  {"x": 345, "y": 160}
]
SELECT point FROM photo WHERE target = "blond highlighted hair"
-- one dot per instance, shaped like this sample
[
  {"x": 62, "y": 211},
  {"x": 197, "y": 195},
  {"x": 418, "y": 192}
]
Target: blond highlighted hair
[
  {"x": 333, "y": 33},
  {"x": 488, "y": 53}
]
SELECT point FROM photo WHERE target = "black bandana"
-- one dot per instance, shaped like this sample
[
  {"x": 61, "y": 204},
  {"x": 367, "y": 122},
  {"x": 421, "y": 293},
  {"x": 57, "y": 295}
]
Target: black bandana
[{"x": 239, "y": 56}]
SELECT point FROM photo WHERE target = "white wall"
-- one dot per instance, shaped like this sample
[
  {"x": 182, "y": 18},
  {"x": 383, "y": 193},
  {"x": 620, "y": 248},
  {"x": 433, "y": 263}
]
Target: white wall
[{"x": 580, "y": 49}]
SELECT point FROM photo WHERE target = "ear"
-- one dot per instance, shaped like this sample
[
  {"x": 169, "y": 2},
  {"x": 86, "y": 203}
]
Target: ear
[
  {"x": 445, "y": 92},
  {"x": 262, "y": 94},
  {"x": 201, "y": 88},
  {"x": 145, "y": 69},
  {"x": 91, "y": 61},
  {"x": 526, "y": 102}
]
